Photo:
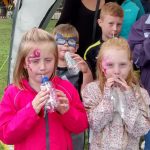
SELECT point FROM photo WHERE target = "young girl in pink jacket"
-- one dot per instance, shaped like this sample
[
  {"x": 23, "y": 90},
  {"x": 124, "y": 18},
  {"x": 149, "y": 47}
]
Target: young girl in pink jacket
[{"x": 22, "y": 120}]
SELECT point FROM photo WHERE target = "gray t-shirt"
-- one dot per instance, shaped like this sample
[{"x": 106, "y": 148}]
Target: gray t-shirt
[{"x": 76, "y": 79}]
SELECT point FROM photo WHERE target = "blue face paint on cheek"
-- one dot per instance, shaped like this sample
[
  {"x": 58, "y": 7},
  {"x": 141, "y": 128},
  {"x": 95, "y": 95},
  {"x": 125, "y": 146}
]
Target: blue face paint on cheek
[
  {"x": 59, "y": 36},
  {"x": 72, "y": 41},
  {"x": 61, "y": 40}
]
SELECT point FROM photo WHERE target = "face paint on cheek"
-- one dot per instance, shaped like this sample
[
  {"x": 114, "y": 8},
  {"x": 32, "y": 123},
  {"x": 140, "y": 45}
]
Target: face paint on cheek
[
  {"x": 104, "y": 65},
  {"x": 29, "y": 64},
  {"x": 35, "y": 54},
  {"x": 30, "y": 68},
  {"x": 29, "y": 60}
]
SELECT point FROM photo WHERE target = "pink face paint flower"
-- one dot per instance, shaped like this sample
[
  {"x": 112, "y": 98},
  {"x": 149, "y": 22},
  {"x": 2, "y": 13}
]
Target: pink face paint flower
[
  {"x": 36, "y": 53},
  {"x": 33, "y": 56},
  {"x": 104, "y": 64}
]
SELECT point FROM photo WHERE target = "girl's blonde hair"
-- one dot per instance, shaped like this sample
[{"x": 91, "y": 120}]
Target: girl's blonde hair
[
  {"x": 67, "y": 30},
  {"x": 119, "y": 44},
  {"x": 29, "y": 40}
]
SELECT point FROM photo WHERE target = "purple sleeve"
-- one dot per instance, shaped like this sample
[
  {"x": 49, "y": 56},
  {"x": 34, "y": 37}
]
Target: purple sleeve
[{"x": 139, "y": 44}]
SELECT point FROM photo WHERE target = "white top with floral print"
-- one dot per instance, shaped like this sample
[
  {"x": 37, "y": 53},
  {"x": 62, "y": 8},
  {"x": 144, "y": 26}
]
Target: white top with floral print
[{"x": 111, "y": 130}]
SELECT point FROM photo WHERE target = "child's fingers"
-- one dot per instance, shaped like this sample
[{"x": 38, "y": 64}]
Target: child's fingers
[
  {"x": 41, "y": 96},
  {"x": 65, "y": 107},
  {"x": 76, "y": 57},
  {"x": 43, "y": 93},
  {"x": 123, "y": 80},
  {"x": 37, "y": 101},
  {"x": 40, "y": 105},
  {"x": 37, "y": 105},
  {"x": 44, "y": 98},
  {"x": 109, "y": 82},
  {"x": 73, "y": 55},
  {"x": 62, "y": 99},
  {"x": 40, "y": 100},
  {"x": 110, "y": 79},
  {"x": 63, "y": 102},
  {"x": 122, "y": 83},
  {"x": 60, "y": 93},
  {"x": 62, "y": 108},
  {"x": 119, "y": 82}
]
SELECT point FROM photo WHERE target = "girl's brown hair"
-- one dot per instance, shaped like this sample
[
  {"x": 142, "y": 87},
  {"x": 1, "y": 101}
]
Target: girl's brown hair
[
  {"x": 119, "y": 44},
  {"x": 29, "y": 40}
]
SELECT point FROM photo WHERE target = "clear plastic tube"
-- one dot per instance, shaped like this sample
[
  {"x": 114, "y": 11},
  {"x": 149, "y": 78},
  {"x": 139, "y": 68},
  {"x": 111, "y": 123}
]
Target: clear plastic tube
[{"x": 118, "y": 98}]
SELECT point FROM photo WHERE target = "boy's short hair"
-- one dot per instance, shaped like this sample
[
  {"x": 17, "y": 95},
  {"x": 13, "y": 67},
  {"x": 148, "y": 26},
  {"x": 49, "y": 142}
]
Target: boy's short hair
[
  {"x": 66, "y": 30},
  {"x": 112, "y": 9}
]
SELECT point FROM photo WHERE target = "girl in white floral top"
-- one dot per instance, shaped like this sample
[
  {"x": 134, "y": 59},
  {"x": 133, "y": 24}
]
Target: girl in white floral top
[{"x": 118, "y": 109}]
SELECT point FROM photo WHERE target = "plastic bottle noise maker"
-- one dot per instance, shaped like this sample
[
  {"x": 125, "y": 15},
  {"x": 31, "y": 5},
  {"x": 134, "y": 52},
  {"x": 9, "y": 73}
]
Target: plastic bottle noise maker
[
  {"x": 51, "y": 103},
  {"x": 71, "y": 63}
]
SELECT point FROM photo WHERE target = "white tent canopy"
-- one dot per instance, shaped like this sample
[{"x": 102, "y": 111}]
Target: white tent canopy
[{"x": 29, "y": 14}]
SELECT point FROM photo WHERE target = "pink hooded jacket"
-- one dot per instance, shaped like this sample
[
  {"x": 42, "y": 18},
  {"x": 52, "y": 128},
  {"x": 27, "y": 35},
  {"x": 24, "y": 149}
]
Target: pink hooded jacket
[{"x": 21, "y": 126}]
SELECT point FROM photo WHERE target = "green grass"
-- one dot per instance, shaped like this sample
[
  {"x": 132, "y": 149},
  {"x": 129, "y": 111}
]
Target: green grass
[
  {"x": 5, "y": 38},
  {"x": 51, "y": 25}
]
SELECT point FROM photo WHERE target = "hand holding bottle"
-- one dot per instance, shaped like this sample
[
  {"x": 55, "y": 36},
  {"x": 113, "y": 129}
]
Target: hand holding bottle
[
  {"x": 82, "y": 65},
  {"x": 110, "y": 82},
  {"x": 63, "y": 102},
  {"x": 122, "y": 84},
  {"x": 117, "y": 82},
  {"x": 71, "y": 63},
  {"x": 40, "y": 100},
  {"x": 118, "y": 86},
  {"x": 51, "y": 102}
]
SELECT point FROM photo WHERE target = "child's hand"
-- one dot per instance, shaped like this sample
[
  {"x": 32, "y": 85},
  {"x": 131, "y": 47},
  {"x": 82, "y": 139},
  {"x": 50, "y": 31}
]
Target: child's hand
[
  {"x": 40, "y": 100},
  {"x": 82, "y": 65},
  {"x": 122, "y": 84},
  {"x": 110, "y": 82},
  {"x": 63, "y": 103}
]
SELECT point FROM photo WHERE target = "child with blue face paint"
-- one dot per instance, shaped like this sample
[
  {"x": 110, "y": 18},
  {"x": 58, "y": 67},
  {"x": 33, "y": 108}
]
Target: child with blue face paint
[
  {"x": 67, "y": 38},
  {"x": 71, "y": 41}
]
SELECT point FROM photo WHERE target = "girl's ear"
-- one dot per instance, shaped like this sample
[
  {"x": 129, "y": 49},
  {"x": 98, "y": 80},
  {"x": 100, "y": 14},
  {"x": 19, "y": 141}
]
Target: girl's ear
[{"x": 99, "y": 22}]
